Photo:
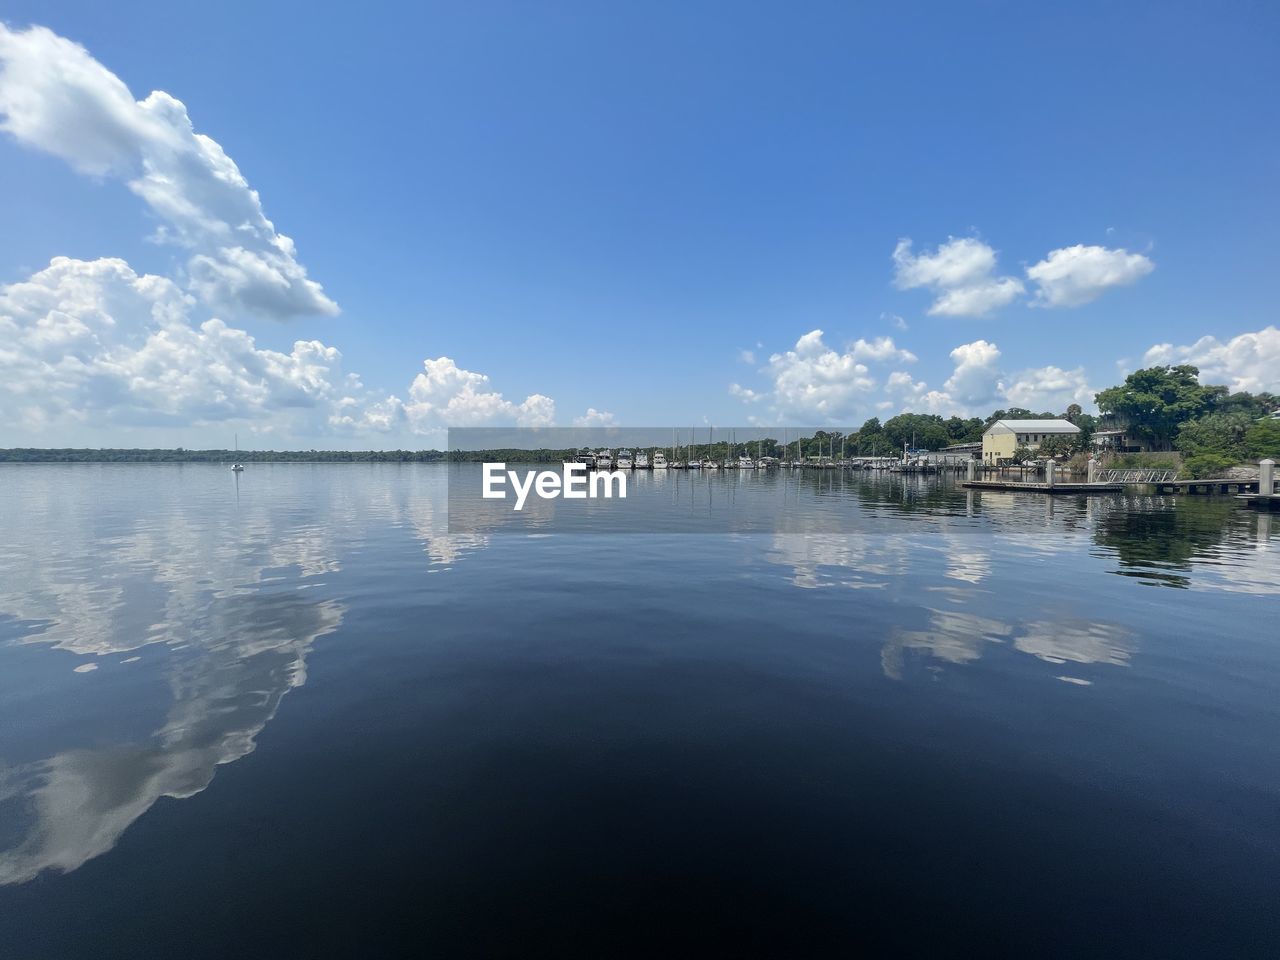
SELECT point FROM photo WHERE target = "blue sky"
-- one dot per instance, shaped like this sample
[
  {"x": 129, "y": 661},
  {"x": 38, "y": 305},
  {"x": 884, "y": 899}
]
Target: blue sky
[{"x": 606, "y": 205}]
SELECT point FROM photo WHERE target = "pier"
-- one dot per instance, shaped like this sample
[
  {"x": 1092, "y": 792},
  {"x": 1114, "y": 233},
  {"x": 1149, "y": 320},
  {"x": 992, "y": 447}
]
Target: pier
[
  {"x": 1043, "y": 486},
  {"x": 1265, "y": 497},
  {"x": 1050, "y": 484},
  {"x": 1218, "y": 487}
]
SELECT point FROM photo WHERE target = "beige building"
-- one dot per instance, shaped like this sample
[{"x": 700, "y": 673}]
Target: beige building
[{"x": 1003, "y": 437}]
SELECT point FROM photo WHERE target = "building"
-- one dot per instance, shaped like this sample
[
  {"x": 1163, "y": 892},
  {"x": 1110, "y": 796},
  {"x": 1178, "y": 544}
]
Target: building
[
  {"x": 1117, "y": 441},
  {"x": 1003, "y": 437},
  {"x": 960, "y": 451}
]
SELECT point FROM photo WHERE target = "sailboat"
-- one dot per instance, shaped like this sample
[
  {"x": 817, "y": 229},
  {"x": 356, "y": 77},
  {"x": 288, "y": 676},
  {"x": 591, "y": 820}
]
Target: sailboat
[{"x": 237, "y": 467}]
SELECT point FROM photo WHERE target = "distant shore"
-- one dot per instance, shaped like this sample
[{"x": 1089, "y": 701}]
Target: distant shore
[{"x": 181, "y": 455}]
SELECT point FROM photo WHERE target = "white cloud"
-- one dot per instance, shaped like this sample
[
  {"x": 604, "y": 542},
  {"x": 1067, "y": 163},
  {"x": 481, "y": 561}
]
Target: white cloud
[
  {"x": 1250, "y": 361},
  {"x": 1050, "y": 388},
  {"x": 814, "y": 380},
  {"x": 975, "y": 381},
  {"x": 745, "y": 394},
  {"x": 1071, "y": 276},
  {"x": 94, "y": 342},
  {"x": 881, "y": 350},
  {"x": 595, "y": 418},
  {"x": 747, "y": 356},
  {"x": 915, "y": 396},
  {"x": 444, "y": 394},
  {"x": 960, "y": 272},
  {"x": 95, "y": 339},
  {"x": 55, "y": 97}
]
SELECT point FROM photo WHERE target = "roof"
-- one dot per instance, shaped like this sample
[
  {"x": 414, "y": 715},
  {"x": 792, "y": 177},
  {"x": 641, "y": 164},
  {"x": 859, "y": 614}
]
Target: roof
[{"x": 1035, "y": 426}]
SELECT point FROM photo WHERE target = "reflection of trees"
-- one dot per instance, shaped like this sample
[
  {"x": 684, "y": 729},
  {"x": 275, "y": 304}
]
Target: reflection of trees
[{"x": 1157, "y": 541}]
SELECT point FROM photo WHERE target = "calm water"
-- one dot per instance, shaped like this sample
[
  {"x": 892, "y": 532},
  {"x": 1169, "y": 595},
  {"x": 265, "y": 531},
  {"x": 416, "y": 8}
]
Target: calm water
[{"x": 292, "y": 716}]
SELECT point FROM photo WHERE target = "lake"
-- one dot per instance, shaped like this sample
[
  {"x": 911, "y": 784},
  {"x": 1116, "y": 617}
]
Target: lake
[{"x": 290, "y": 714}]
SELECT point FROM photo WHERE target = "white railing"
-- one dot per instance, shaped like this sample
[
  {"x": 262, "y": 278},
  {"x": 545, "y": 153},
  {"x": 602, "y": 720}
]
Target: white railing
[{"x": 1138, "y": 476}]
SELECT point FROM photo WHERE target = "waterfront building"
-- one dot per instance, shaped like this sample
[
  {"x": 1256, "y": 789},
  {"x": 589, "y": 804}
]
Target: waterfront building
[{"x": 1003, "y": 437}]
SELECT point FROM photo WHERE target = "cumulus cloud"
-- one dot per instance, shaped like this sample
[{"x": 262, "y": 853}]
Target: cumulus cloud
[
  {"x": 1250, "y": 361},
  {"x": 595, "y": 418},
  {"x": 55, "y": 97},
  {"x": 94, "y": 338},
  {"x": 814, "y": 380},
  {"x": 444, "y": 394},
  {"x": 961, "y": 273},
  {"x": 94, "y": 341},
  {"x": 975, "y": 380},
  {"x": 1071, "y": 276},
  {"x": 880, "y": 350},
  {"x": 1050, "y": 388}
]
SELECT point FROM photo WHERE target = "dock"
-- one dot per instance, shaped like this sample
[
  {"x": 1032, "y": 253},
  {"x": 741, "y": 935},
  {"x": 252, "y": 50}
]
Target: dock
[
  {"x": 1221, "y": 487},
  {"x": 1042, "y": 487},
  {"x": 1261, "y": 501}
]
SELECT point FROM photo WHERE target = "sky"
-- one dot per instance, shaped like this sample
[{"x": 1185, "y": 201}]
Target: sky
[{"x": 355, "y": 230}]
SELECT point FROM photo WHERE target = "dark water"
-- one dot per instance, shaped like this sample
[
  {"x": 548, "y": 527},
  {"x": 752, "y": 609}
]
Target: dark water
[{"x": 292, "y": 717}]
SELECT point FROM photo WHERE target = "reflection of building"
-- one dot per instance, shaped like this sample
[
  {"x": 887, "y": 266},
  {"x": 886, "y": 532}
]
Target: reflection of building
[{"x": 1003, "y": 437}]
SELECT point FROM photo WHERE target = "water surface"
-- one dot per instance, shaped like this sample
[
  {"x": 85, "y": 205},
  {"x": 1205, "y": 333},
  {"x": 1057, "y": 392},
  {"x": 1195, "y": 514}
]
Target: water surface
[{"x": 289, "y": 714}]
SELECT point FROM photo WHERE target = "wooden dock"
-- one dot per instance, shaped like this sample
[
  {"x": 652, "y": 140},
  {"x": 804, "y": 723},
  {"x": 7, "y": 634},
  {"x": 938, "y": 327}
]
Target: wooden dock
[
  {"x": 1219, "y": 487},
  {"x": 1042, "y": 487},
  {"x": 1262, "y": 501}
]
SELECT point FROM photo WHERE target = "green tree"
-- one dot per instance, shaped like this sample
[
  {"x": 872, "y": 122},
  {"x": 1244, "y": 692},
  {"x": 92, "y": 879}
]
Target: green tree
[
  {"x": 1262, "y": 440},
  {"x": 1156, "y": 401},
  {"x": 1059, "y": 445},
  {"x": 1221, "y": 434},
  {"x": 926, "y": 430}
]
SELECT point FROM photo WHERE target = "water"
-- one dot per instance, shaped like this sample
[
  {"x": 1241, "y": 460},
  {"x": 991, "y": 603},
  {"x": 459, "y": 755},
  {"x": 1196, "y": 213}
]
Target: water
[{"x": 291, "y": 716}]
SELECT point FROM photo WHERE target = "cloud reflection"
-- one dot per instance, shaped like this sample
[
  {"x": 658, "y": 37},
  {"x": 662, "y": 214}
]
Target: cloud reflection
[{"x": 227, "y": 596}]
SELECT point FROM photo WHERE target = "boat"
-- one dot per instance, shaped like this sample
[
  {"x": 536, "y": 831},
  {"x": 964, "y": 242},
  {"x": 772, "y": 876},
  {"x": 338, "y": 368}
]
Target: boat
[
  {"x": 604, "y": 460},
  {"x": 746, "y": 463},
  {"x": 624, "y": 460},
  {"x": 659, "y": 460},
  {"x": 237, "y": 467},
  {"x": 642, "y": 461},
  {"x": 695, "y": 464}
]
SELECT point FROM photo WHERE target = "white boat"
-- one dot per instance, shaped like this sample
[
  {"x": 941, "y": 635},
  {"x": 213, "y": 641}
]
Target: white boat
[
  {"x": 746, "y": 463},
  {"x": 695, "y": 464},
  {"x": 624, "y": 460},
  {"x": 710, "y": 465},
  {"x": 237, "y": 467},
  {"x": 659, "y": 461},
  {"x": 604, "y": 460},
  {"x": 642, "y": 461}
]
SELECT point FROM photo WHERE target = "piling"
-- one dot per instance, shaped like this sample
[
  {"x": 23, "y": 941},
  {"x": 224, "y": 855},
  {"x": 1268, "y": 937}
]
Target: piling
[
  {"x": 1093, "y": 470},
  {"x": 1050, "y": 468},
  {"x": 1267, "y": 477}
]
